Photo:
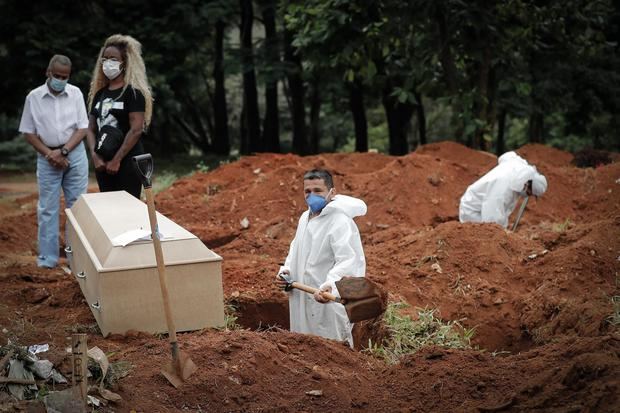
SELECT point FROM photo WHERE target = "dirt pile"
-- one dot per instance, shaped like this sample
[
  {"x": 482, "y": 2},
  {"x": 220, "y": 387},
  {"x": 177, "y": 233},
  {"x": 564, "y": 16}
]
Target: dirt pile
[
  {"x": 486, "y": 278},
  {"x": 540, "y": 299}
]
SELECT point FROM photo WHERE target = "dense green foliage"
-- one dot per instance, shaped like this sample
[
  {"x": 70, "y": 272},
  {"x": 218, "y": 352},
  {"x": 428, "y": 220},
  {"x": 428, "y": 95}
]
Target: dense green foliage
[{"x": 332, "y": 75}]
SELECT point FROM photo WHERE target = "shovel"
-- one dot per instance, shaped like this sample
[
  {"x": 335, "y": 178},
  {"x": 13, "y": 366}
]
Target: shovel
[
  {"x": 181, "y": 366},
  {"x": 520, "y": 213},
  {"x": 362, "y": 299}
]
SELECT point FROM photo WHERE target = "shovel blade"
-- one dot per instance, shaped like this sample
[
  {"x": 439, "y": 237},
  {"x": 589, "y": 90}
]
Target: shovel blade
[
  {"x": 177, "y": 375},
  {"x": 362, "y": 298},
  {"x": 364, "y": 309}
]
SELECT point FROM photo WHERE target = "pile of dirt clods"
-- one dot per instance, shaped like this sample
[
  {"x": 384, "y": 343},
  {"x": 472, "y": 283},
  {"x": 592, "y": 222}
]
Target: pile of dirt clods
[{"x": 543, "y": 302}]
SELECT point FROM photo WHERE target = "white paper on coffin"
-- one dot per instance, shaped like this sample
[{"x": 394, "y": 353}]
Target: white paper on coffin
[{"x": 136, "y": 235}]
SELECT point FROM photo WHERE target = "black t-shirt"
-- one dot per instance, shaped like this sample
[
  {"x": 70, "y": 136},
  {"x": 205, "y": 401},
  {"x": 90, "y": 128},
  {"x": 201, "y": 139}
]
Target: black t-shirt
[{"x": 117, "y": 105}]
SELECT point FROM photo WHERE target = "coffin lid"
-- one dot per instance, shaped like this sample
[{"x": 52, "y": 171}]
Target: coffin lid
[{"x": 99, "y": 218}]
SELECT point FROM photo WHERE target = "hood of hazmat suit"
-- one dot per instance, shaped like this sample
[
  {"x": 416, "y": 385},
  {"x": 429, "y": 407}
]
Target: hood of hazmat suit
[
  {"x": 511, "y": 157},
  {"x": 325, "y": 249}
]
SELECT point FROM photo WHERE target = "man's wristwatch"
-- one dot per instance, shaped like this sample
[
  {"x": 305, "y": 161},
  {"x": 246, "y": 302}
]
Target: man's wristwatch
[{"x": 64, "y": 151}]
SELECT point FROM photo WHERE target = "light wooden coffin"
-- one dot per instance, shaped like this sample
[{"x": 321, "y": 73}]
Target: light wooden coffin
[{"x": 121, "y": 283}]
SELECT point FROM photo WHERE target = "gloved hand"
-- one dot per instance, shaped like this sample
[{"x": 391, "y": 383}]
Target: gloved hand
[
  {"x": 282, "y": 283},
  {"x": 319, "y": 297}
]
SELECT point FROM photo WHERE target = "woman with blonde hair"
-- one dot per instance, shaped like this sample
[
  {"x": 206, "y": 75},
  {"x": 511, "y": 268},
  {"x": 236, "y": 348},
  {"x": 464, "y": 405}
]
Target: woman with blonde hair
[{"x": 119, "y": 99}]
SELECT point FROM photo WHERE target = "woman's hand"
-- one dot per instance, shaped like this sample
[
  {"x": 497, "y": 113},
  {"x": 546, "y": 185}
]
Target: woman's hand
[
  {"x": 98, "y": 163},
  {"x": 112, "y": 166}
]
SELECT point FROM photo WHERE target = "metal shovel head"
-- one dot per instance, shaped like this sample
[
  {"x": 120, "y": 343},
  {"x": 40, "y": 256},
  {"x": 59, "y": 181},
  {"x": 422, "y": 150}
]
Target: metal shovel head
[
  {"x": 176, "y": 376},
  {"x": 362, "y": 298}
]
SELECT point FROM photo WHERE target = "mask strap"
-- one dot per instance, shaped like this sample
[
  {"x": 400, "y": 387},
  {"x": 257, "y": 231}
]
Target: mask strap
[{"x": 328, "y": 194}]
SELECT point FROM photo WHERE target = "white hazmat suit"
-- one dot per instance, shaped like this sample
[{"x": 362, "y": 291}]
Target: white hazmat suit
[
  {"x": 325, "y": 249},
  {"x": 493, "y": 197}
]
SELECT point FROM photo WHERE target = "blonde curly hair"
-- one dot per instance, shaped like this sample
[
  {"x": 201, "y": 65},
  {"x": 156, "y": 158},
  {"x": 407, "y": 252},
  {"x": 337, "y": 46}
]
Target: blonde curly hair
[{"x": 133, "y": 68}]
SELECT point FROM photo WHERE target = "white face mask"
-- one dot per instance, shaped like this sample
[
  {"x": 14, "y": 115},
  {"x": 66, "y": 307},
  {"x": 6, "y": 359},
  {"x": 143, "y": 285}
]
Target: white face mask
[{"x": 111, "y": 68}]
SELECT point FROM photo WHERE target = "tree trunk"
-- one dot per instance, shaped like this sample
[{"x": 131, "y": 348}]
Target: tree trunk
[
  {"x": 535, "y": 128},
  {"x": 398, "y": 116},
  {"x": 166, "y": 148},
  {"x": 445, "y": 52},
  {"x": 315, "y": 111},
  {"x": 296, "y": 89},
  {"x": 450, "y": 71},
  {"x": 198, "y": 118},
  {"x": 491, "y": 118},
  {"x": 481, "y": 101},
  {"x": 271, "y": 123},
  {"x": 421, "y": 118},
  {"x": 244, "y": 143},
  {"x": 356, "y": 103},
  {"x": 500, "y": 146},
  {"x": 221, "y": 140},
  {"x": 193, "y": 136},
  {"x": 250, "y": 94}
]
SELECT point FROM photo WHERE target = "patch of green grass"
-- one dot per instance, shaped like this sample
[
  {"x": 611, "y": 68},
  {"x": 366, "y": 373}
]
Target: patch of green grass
[
  {"x": 164, "y": 180},
  {"x": 43, "y": 391},
  {"x": 116, "y": 371},
  {"x": 407, "y": 336},
  {"x": 202, "y": 167},
  {"x": 230, "y": 317},
  {"x": 185, "y": 164},
  {"x": 561, "y": 227}
]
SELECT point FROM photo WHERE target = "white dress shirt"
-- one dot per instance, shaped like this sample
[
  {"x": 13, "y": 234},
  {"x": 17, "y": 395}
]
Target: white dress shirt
[{"x": 54, "y": 118}]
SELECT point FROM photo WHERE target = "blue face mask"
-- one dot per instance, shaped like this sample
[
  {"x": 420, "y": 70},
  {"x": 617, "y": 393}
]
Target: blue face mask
[
  {"x": 317, "y": 202},
  {"x": 57, "y": 85}
]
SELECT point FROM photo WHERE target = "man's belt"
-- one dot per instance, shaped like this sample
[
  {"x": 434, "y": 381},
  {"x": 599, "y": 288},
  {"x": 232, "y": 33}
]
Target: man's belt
[{"x": 55, "y": 147}]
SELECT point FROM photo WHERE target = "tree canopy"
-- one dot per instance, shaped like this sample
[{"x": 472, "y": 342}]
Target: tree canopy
[{"x": 307, "y": 76}]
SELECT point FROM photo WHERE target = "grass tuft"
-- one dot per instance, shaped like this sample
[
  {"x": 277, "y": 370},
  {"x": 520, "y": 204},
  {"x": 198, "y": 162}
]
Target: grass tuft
[
  {"x": 407, "y": 336},
  {"x": 163, "y": 181},
  {"x": 116, "y": 371},
  {"x": 230, "y": 318},
  {"x": 561, "y": 227}
]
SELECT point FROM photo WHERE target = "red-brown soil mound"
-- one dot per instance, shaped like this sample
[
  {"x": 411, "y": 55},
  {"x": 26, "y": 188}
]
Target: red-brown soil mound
[
  {"x": 539, "y": 155},
  {"x": 539, "y": 299}
]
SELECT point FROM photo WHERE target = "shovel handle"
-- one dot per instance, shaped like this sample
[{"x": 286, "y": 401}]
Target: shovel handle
[
  {"x": 313, "y": 290},
  {"x": 161, "y": 268},
  {"x": 144, "y": 166},
  {"x": 520, "y": 213}
]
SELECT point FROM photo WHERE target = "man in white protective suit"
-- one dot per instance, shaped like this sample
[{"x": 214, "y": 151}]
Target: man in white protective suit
[
  {"x": 326, "y": 247},
  {"x": 493, "y": 197}
]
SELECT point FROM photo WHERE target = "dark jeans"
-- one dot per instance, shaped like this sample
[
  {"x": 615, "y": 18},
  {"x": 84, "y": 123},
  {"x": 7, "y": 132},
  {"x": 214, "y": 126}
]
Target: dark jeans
[{"x": 127, "y": 179}]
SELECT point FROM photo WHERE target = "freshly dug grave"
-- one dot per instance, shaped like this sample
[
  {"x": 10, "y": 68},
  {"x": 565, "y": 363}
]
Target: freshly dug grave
[{"x": 539, "y": 300}]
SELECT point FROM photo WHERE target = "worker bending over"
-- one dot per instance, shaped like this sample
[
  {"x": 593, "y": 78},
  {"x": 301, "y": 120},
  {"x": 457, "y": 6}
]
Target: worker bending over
[{"x": 493, "y": 197}]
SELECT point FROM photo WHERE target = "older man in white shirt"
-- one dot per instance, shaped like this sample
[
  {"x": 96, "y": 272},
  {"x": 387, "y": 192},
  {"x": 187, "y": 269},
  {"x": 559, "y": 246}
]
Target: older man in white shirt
[{"x": 54, "y": 122}]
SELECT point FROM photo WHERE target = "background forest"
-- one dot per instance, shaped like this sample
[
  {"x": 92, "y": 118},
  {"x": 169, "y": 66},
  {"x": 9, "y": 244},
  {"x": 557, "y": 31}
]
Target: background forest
[{"x": 239, "y": 77}]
